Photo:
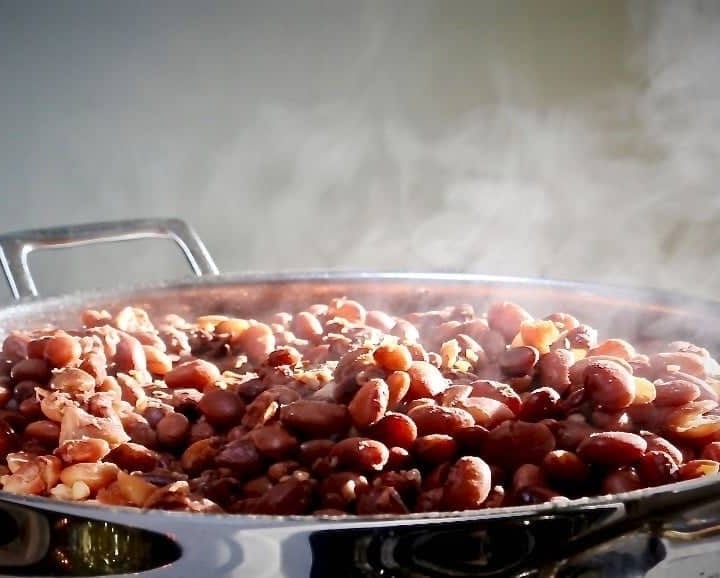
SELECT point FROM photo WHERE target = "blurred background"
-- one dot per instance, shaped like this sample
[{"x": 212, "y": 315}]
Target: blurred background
[{"x": 568, "y": 139}]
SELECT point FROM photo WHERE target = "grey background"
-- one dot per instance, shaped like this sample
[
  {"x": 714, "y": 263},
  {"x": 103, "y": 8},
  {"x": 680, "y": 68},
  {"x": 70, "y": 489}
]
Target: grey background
[{"x": 571, "y": 139}]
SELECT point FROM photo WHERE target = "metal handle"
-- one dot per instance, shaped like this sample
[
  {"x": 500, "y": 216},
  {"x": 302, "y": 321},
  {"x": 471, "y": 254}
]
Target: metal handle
[{"x": 15, "y": 247}]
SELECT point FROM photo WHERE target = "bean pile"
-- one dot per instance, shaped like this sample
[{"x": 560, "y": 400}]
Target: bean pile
[{"x": 341, "y": 410}]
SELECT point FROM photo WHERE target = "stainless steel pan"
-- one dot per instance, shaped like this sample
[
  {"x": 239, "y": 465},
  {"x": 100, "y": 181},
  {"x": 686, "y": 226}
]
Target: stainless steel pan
[{"x": 643, "y": 532}]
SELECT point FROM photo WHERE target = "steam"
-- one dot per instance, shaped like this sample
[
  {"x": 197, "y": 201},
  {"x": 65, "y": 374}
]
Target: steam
[
  {"x": 374, "y": 149},
  {"x": 621, "y": 188}
]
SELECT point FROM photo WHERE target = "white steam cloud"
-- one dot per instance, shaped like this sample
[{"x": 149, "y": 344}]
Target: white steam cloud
[{"x": 620, "y": 188}]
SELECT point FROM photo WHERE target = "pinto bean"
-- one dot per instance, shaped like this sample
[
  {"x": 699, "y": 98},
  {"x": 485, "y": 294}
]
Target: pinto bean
[
  {"x": 612, "y": 448},
  {"x": 468, "y": 484},
  {"x": 609, "y": 384}
]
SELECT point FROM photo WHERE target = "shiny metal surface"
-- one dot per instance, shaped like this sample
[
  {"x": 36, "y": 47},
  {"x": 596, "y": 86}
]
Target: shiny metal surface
[
  {"x": 237, "y": 546},
  {"x": 15, "y": 247}
]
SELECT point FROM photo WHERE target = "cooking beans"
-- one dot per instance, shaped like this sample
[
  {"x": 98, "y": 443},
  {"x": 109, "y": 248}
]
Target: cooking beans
[
  {"x": 369, "y": 404},
  {"x": 361, "y": 454},
  {"x": 609, "y": 384},
  {"x": 612, "y": 448},
  {"x": 468, "y": 484},
  {"x": 198, "y": 374},
  {"x": 172, "y": 429},
  {"x": 425, "y": 380},
  {"x": 221, "y": 407},
  {"x": 340, "y": 410}
]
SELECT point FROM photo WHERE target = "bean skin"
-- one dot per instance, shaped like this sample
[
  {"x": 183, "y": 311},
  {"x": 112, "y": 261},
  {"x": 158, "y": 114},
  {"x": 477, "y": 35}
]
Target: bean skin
[
  {"x": 425, "y": 380},
  {"x": 612, "y": 448},
  {"x": 369, "y": 404},
  {"x": 395, "y": 429},
  {"x": 468, "y": 484},
  {"x": 609, "y": 385},
  {"x": 431, "y": 419},
  {"x": 361, "y": 454}
]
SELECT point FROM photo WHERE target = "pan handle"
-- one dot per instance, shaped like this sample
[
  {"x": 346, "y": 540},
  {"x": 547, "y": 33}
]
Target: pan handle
[{"x": 15, "y": 247}]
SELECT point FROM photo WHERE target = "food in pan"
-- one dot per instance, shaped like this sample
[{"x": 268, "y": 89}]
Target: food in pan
[{"x": 339, "y": 410}]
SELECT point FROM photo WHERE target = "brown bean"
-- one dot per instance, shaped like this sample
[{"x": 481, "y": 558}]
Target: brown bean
[
  {"x": 275, "y": 442},
  {"x": 240, "y": 456},
  {"x": 582, "y": 337},
  {"x": 316, "y": 418},
  {"x": 528, "y": 475},
  {"x": 514, "y": 443},
  {"x": 197, "y": 373},
  {"x": 45, "y": 431},
  {"x": 711, "y": 451},
  {"x": 468, "y": 484},
  {"x": 82, "y": 450},
  {"x": 222, "y": 408},
  {"x": 348, "y": 309},
  {"x": 398, "y": 383},
  {"x": 306, "y": 326},
  {"x": 609, "y": 384},
  {"x": 158, "y": 362},
  {"x": 129, "y": 355},
  {"x": 425, "y": 380},
  {"x": 553, "y": 369},
  {"x": 622, "y": 480},
  {"x": 369, "y": 404},
  {"x": 132, "y": 457},
  {"x": 312, "y": 450},
  {"x": 173, "y": 429},
  {"x": 565, "y": 467},
  {"x": 257, "y": 342},
  {"x": 14, "y": 346},
  {"x": 395, "y": 429},
  {"x": 541, "y": 403},
  {"x": 684, "y": 361},
  {"x": 37, "y": 370},
  {"x": 506, "y": 318},
  {"x": 518, "y": 361},
  {"x": 618, "y": 421},
  {"x": 383, "y": 500},
  {"x": 199, "y": 455},
  {"x": 676, "y": 392},
  {"x": 485, "y": 411},
  {"x": 498, "y": 391},
  {"x": 614, "y": 347},
  {"x": 62, "y": 349},
  {"x": 290, "y": 497},
  {"x": 657, "y": 443},
  {"x": 30, "y": 408},
  {"x": 361, "y": 454},
  {"x": 612, "y": 448},
  {"x": 697, "y": 469},
  {"x": 656, "y": 468},
  {"x": 435, "y": 448},
  {"x": 393, "y": 357},
  {"x": 431, "y": 419}
]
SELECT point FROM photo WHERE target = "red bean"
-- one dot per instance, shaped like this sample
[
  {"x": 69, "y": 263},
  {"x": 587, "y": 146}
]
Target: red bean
[
  {"x": 435, "y": 448},
  {"x": 431, "y": 419},
  {"x": 565, "y": 467},
  {"x": 498, "y": 391},
  {"x": 609, "y": 384},
  {"x": 173, "y": 429},
  {"x": 622, "y": 480},
  {"x": 36, "y": 370},
  {"x": 468, "y": 484},
  {"x": 425, "y": 380},
  {"x": 612, "y": 448},
  {"x": 61, "y": 350},
  {"x": 506, "y": 318},
  {"x": 542, "y": 403},
  {"x": 554, "y": 369},
  {"x": 197, "y": 373},
  {"x": 369, "y": 404},
  {"x": 518, "y": 361},
  {"x": 361, "y": 454},
  {"x": 514, "y": 443},
  {"x": 316, "y": 418},
  {"x": 395, "y": 429},
  {"x": 222, "y": 408}
]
